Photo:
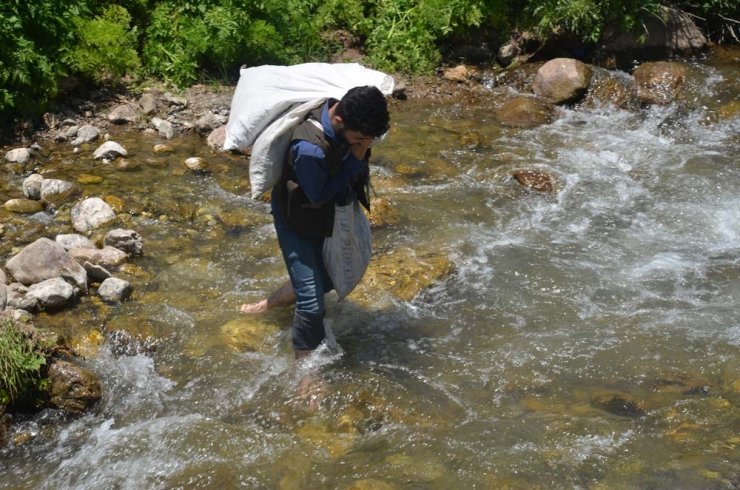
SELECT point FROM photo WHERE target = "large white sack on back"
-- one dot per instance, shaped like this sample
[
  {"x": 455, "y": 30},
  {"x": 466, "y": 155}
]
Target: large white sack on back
[{"x": 270, "y": 100}]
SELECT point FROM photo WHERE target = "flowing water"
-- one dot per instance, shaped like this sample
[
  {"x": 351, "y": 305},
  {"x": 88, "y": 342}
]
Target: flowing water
[{"x": 587, "y": 338}]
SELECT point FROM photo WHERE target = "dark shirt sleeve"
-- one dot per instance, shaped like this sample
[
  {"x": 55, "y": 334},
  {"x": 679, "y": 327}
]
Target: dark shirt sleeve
[{"x": 313, "y": 173}]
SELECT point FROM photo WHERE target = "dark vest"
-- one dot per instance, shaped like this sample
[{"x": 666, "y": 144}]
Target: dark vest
[{"x": 307, "y": 219}]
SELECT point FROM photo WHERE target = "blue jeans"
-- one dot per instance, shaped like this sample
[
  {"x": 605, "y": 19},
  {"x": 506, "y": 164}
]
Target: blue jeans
[{"x": 303, "y": 259}]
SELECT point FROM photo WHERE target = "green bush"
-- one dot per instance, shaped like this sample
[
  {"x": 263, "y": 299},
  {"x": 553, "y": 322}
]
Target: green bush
[
  {"x": 105, "y": 49},
  {"x": 20, "y": 361}
]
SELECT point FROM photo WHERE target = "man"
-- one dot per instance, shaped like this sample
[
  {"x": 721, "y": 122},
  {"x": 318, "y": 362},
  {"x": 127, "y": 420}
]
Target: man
[{"x": 327, "y": 165}]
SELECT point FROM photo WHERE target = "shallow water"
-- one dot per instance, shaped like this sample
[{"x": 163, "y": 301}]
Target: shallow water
[{"x": 586, "y": 339}]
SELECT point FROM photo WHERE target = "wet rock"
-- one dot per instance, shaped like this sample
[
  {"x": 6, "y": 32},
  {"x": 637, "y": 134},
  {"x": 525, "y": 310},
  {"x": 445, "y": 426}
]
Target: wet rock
[
  {"x": 89, "y": 179},
  {"x": 56, "y": 192},
  {"x": 85, "y": 134},
  {"x": 402, "y": 272},
  {"x": 73, "y": 388},
  {"x": 107, "y": 257},
  {"x": 90, "y": 214},
  {"x": 24, "y": 206},
  {"x": 32, "y": 186},
  {"x": 124, "y": 343},
  {"x": 562, "y": 80},
  {"x": 165, "y": 128},
  {"x": 621, "y": 404},
  {"x": 45, "y": 259},
  {"x": 51, "y": 294},
  {"x": 370, "y": 484},
  {"x": 110, "y": 150},
  {"x": 217, "y": 138},
  {"x": 196, "y": 164},
  {"x": 729, "y": 110},
  {"x": 414, "y": 468},
  {"x": 682, "y": 383},
  {"x": 208, "y": 122},
  {"x": 127, "y": 165},
  {"x": 383, "y": 213},
  {"x": 148, "y": 104},
  {"x": 73, "y": 240},
  {"x": 248, "y": 334},
  {"x": 459, "y": 73},
  {"x": 321, "y": 435},
  {"x": 525, "y": 112},
  {"x": 123, "y": 114},
  {"x": 96, "y": 272},
  {"x": 660, "y": 82},
  {"x": 535, "y": 180},
  {"x": 612, "y": 90},
  {"x": 114, "y": 290},
  {"x": 18, "y": 155},
  {"x": 127, "y": 240},
  {"x": 87, "y": 345},
  {"x": 160, "y": 148}
]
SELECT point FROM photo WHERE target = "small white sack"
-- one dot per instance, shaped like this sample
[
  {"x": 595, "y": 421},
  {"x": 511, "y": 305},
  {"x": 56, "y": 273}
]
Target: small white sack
[
  {"x": 347, "y": 252},
  {"x": 270, "y": 100}
]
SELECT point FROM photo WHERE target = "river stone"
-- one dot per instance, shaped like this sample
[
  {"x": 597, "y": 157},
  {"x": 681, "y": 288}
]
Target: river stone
[
  {"x": 562, "y": 80},
  {"x": 85, "y": 134},
  {"x": 320, "y": 435},
  {"x": 17, "y": 298},
  {"x": 3, "y": 296},
  {"x": 109, "y": 150},
  {"x": 90, "y": 214},
  {"x": 160, "y": 148},
  {"x": 525, "y": 112},
  {"x": 73, "y": 240},
  {"x": 621, "y": 404},
  {"x": 383, "y": 213},
  {"x": 659, "y": 82},
  {"x": 114, "y": 290},
  {"x": 32, "y": 186},
  {"x": 96, "y": 272},
  {"x": 18, "y": 155},
  {"x": 165, "y": 128},
  {"x": 175, "y": 100},
  {"x": 248, "y": 333},
  {"x": 534, "y": 179},
  {"x": 370, "y": 484},
  {"x": 127, "y": 240},
  {"x": 414, "y": 468},
  {"x": 610, "y": 89},
  {"x": 217, "y": 138},
  {"x": 107, "y": 257},
  {"x": 73, "y": 388},
  {"x": 459, "y": 73},
  {"x": 123, "y": 114},
  {"x": 45, "y": 259},
  {"x": 89, "y": 179},
  {"x": 196, "y": 164},
  {"x": 56, "y": 192},
  {"x": 25, "y": 206},
  {"x": 208, "y": 122},
  {"x": 51, "y": 294},
  {"x": 148, "y": 103}
]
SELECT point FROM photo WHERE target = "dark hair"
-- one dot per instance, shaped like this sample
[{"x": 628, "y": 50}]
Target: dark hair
[{"x": 365, "y": 110}]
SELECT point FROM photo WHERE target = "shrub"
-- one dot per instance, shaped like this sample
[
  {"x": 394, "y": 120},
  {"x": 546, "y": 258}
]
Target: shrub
[{"x": 20, "y": 361}]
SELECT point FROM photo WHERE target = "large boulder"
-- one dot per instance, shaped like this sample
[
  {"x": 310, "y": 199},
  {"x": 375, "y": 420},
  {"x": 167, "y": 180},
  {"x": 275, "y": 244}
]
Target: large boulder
[
  {"x": 612, "y": 89},
  {"x": 45, "y": 259},
  {"x": 562, "y": 80},
  {"x": 660, "y": 82},
  {"x": 90, "y": 214},
  {"x": 73, "y": 388},
  {"x": 525, "y": 112}
]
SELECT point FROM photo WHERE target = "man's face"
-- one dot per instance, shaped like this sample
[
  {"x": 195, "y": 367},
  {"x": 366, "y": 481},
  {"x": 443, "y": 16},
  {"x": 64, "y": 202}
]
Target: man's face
[{"x": 358, "y": 143}]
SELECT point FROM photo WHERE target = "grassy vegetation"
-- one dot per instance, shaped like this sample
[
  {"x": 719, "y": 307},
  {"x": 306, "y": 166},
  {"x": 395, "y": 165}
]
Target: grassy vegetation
[
  {"x": 184, "y": 41},
  {"x": 21, "y": 359}
]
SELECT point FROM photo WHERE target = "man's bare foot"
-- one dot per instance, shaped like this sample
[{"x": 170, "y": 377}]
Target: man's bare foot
[
  {"x": 312, "y": 390},
  {"x": 253, "y": 308}
]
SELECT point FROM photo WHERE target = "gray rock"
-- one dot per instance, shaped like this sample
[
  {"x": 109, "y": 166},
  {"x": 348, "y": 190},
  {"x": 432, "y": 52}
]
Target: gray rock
[
  {"x": 96, "y": 272},
  {"x": 175, "y": 100},
  {"x": 109, "y": 150},
  {"x": 17, "y": 298},
  {"x": 508, "y": 52},
  {"x": 107, "y": 257},
  {"x": 51, "y": 294},
  {"x": 86, "y": 134},
  {"x": 208, "y": 122},
  {"x": 123, "y": 113},
  {"x": 127, "y": 240},
  {"x": 165, "y": 128},
  {"x": 19, "y": 155},
  {"x": 73, "y": 388},
  {"x": 217, "y": 138},
  {"x": 45, "y": 259},
  {"x": 73, "y": 240},
  {"x": 67, "y": 133},
  {"x": 114, "y": 290},
  {"x": 3, "y": 279},
  {"x": 56, "y": 192},
  {"x": 148, "y": 104},
  {"x": 562, "y": 80},
  {"x": 90, "y": 214},
  {"x": 32, "y": 186}
]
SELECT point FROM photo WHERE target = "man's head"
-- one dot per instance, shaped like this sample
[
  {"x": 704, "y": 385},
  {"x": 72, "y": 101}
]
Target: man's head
[{"x": 363, "y": 110}]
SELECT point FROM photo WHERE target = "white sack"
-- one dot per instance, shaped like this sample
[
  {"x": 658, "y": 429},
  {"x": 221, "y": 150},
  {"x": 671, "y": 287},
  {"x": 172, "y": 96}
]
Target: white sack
[
  {"x": 347, "y": 252},
  {"x": 269, "y": 101}
]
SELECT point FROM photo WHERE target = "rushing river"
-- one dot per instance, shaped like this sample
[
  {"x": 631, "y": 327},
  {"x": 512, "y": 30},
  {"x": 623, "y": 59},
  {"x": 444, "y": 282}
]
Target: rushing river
[{"x": 588, "y": 338}]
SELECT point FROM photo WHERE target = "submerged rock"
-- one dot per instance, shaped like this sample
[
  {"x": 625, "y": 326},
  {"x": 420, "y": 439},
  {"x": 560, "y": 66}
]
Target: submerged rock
[
  {"x": 196, "y": 164},
  {"x": 383, "y": 213},
  {"x": 660, "y": 82},
  {"x": 248, "y": 333},
  {"x": 73, "y": 388},
  {"x": 535, "y": 180},
  {"x": 610, "y": 89},
  {"x": 24, "y": 206},
  {"x": 562, "y": 80},
  {"x": 621, "y": 404},
  {"x": 525, "y": 112}
]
